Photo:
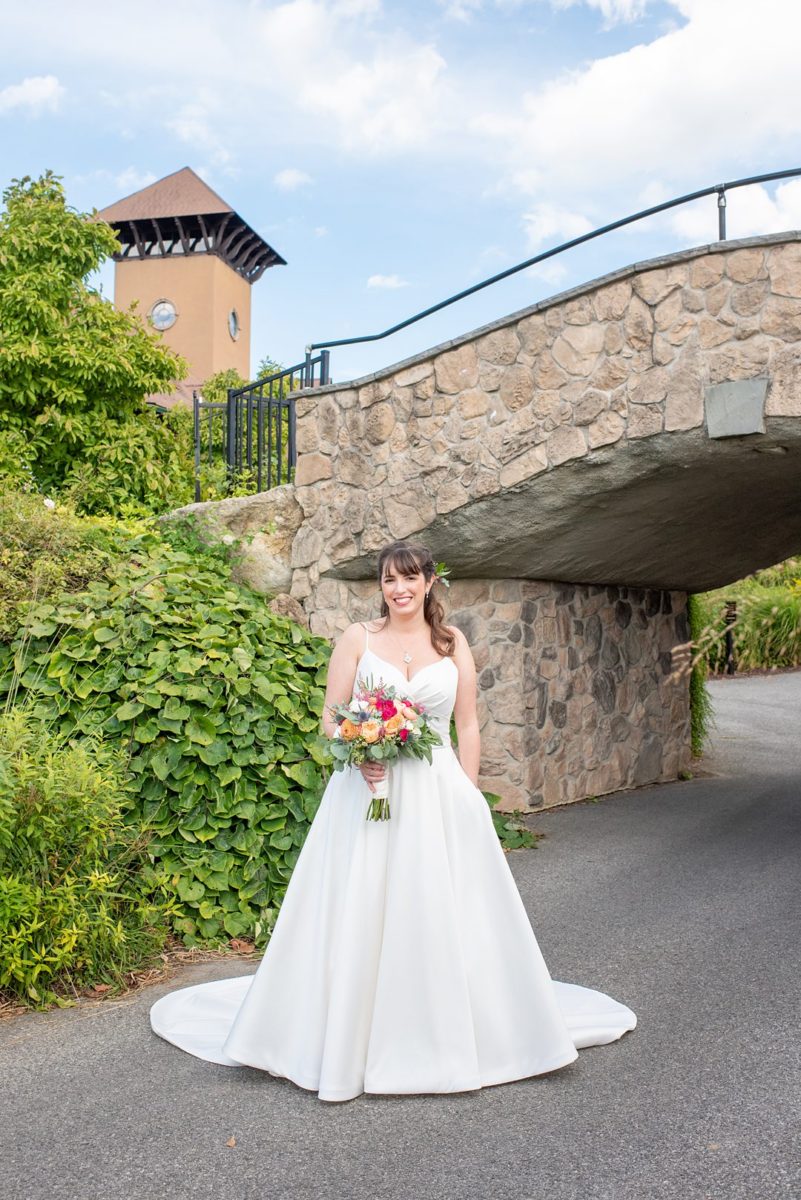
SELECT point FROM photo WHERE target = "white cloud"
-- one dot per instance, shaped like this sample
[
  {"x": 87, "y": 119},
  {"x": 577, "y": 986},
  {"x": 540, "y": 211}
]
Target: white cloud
[
  {"x": 356, "y": 8},
  {"x": 460, "y": 10},
  {"x": 37, "y": 94},
  {"x": 678, "y": 108},
  {"x": 387, "y": 281},
  {"x": 549, "y": 223},
  {"x": 750, "y": 211},
  {"x": 320, "y": 231},
  {"x": 291, "y": 178},
  {"x": 341, "y": 72},
  {"x": 694, "y": 102},
  {"x": 612, "y": 11},
  {"x": 195, "y": 124}
]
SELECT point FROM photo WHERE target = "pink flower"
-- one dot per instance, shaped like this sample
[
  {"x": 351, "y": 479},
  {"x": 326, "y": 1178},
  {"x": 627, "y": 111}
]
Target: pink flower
[{"x": 403, "y": 734}]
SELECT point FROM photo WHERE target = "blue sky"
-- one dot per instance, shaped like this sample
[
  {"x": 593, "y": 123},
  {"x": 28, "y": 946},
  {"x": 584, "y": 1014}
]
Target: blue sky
[{"x": 394, "y": 153}]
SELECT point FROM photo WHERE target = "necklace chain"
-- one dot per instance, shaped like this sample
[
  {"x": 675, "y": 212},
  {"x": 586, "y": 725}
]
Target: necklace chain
[{"x": 407, "y": 657}]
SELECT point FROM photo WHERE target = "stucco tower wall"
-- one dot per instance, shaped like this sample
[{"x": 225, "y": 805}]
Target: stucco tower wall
[{"x": 203, "y": 289}]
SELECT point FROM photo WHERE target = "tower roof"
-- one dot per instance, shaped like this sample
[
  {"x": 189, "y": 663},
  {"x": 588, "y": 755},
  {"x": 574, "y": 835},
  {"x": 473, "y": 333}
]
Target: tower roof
[
  {"x": 180, "y": 214},
  {"x": 182, "y": 194}
]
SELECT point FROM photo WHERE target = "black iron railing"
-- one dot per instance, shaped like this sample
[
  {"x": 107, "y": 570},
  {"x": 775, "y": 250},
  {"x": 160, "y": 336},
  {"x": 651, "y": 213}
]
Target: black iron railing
[
  {"x": 252, "y": 431},
  {"x": 719, "y": 189}
]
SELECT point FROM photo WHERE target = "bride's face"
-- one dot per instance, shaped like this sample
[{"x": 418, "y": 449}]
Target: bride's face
[{"x": 404, "y": 594}]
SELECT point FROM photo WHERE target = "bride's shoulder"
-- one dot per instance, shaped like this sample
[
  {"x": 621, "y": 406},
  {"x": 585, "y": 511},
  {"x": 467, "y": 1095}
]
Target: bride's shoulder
[
  {"x": 353, "y": 635},
  {"x": 462, "y": 654},
  {"x": 459, "y": 637}
]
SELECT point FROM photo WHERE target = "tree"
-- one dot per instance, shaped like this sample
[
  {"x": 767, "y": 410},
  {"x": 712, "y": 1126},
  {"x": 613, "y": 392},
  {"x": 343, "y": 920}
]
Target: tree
[{"x": 74, "y": 371}]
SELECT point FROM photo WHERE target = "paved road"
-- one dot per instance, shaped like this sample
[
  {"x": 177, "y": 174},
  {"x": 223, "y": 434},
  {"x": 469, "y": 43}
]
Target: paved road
[{"x": 681, "y": 900}]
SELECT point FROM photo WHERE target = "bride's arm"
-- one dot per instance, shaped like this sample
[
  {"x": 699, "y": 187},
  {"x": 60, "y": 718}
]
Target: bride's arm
[
  {"x": 464, "y": 710},
  {"x": 342, "y": 673}
]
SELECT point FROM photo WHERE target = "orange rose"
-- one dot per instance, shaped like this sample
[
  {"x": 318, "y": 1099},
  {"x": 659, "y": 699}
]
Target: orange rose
[
  {"x": 394, "y": 723},
  {"x": 370, "y": 730},
  {"x": 348, "y": 730},
  {"x": 408, "y": 714}
]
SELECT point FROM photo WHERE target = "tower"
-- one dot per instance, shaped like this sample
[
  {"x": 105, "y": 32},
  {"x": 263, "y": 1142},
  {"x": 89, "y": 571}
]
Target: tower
[{"x": 189, "y": 261}]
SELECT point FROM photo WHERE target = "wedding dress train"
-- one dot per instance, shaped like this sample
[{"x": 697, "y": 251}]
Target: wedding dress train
[{"x": 402, "y": 960}]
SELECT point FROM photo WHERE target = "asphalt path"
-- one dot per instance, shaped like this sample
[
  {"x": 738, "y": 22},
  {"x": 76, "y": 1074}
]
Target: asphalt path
[{"x": 681, "y": 900}]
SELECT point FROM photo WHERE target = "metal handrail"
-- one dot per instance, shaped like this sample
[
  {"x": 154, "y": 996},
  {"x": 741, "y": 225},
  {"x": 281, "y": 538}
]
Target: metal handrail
[{"x": 719, "y": 188}]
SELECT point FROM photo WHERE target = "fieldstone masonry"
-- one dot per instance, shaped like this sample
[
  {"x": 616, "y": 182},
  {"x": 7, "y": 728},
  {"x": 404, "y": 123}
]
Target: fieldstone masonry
[
  {"x": 577, "y": 695},
  {"x": 568, "y": 443}
]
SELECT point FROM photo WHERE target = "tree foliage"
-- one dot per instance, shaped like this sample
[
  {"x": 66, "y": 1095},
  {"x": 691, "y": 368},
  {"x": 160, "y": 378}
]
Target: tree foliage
[{"x": 74, "y": 371}]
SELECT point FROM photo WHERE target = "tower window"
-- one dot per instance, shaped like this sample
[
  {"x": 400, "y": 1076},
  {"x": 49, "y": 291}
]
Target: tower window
[{"x": 163, "y": 315}]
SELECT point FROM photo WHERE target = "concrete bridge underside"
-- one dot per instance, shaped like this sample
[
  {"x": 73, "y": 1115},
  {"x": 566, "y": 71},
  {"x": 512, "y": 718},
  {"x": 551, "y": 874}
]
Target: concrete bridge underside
[{"x": 674, "y": 511}]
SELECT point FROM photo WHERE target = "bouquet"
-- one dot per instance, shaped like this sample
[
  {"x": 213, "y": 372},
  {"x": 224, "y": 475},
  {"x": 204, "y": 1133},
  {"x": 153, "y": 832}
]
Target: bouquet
[{"x": 378, "y": 725}]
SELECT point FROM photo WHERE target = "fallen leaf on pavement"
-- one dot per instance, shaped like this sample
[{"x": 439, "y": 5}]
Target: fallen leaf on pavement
[{"x": 231, "y": 1142}]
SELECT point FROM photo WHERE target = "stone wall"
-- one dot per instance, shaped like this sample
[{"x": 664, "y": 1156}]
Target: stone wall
[
  {"x": 441, "y": 445},
  {"x": 576, "y": 691}
]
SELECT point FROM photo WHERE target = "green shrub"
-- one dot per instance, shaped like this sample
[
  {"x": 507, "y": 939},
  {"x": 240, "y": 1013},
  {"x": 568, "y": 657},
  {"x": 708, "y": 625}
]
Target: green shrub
[
  {"x": 143, "y": 465},
  {"x": 701, "y": 715},
  {"x": 47, "y": 551},
  {"x": 767, "y": 629},
  {"x": 16, "y": 461},
  {"x": 74, "y": 878},
  {"x": 218, "y": 704}
]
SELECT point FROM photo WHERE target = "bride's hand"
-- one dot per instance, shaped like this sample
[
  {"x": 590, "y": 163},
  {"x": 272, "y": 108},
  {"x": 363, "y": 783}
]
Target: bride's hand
[{"x": 372, "y": 772}]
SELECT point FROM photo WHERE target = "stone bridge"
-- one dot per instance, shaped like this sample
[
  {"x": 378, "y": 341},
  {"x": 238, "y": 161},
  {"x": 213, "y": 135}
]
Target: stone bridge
[{"x": 581, "y": 465}]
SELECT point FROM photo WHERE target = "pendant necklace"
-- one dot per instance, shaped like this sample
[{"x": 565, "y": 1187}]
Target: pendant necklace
[{"x": 407, "y": 657}]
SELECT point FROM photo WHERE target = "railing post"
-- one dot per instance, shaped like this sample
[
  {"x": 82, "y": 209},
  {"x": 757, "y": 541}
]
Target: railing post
[
  {"x": 325, "y": 357},
  {"x": 291, "y": 446},
  {"x": 308, "y": 370},
  {"x": 230, "y": 441},
  {"x": 196, "y": 425},
  {"x": 721, "y": 215}
]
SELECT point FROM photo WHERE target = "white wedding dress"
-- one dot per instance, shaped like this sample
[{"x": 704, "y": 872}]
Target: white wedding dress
[{"x": 402, "y": 960}]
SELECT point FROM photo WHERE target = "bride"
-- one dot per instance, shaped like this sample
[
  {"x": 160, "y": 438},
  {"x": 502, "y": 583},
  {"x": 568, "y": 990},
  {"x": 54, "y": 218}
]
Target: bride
[{"x": 402, "y": 960}]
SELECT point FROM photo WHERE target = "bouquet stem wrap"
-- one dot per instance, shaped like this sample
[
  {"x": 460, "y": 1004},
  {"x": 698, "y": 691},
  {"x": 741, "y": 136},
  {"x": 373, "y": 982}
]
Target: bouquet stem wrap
[
  {"x": 379, "y": 725},
  {"x": 379, "y": 803}
]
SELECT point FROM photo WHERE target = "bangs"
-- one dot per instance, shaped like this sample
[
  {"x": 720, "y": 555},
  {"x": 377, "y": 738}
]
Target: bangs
[{"x": 403, "y": 562}]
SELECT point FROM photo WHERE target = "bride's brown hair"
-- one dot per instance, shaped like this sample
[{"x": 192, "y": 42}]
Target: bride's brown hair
[{"x": 417, "y": 560}]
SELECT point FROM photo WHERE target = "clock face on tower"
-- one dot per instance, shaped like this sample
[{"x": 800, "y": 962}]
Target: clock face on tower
[{"x": 163, "y": 315}]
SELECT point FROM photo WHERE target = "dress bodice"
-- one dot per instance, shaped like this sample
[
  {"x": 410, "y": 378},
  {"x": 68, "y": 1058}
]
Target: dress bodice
[{"x": 432, "y": 686}]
